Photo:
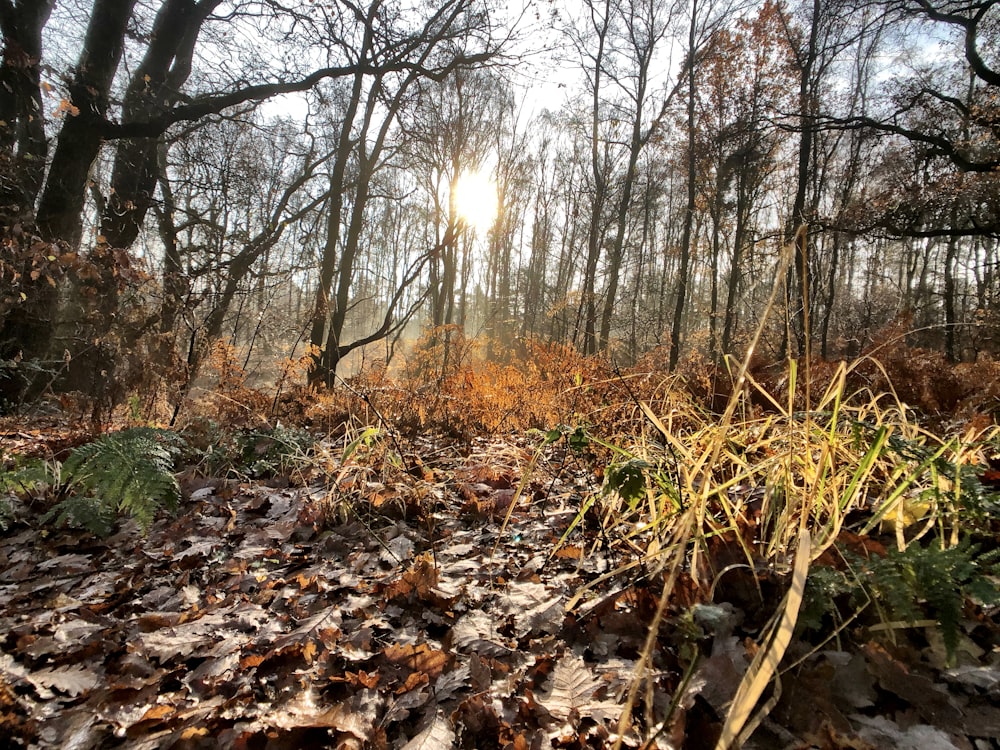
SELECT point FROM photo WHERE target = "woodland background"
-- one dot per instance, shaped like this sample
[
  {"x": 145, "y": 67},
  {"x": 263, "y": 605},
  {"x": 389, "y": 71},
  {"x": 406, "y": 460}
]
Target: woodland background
[
  {"x": 164, "y": 195},
  {"x": 707, "y": 408}
]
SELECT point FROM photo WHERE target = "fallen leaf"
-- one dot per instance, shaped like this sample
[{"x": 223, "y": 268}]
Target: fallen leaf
[
  {"x": 437, "y": 735},
  {"x": 571, "y": 690},
  {"x": 73, "y": 681},
  {"x": 155, "y": 713},
  {"x": 419, "y": 658},
  {"x": 931, "y": 700},
  {"x": 476, "y": 633},
  {"x": 419, "y": 579},
  {"x": 882, "y": 732}
]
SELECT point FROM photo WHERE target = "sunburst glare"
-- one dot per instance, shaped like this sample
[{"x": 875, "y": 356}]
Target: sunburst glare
[{"x": 476, "y": 200}]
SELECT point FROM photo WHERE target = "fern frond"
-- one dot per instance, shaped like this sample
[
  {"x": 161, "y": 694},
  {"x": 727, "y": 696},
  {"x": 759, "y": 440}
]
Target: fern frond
[
  {"x": 29, "y": 476},
  {"x": 6, "y": 513},
  {"x": 129, "y": 471},
  {"x": 82, "y": 512},
  {"x": 939, "y": 578}
]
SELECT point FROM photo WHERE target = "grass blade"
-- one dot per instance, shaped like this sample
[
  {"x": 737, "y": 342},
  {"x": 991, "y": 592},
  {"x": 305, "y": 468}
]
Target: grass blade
[{"x": 765, "y": 663}]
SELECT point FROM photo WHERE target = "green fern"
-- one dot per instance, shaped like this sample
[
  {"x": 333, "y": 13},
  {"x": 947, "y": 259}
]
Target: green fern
[
  {"x": 29, "y": 476},
  {"x": 277, "y": 451},
  {"x": 910, "y": 585},
  {"x": 824, "y": 586},
  {"x": 940, "y": 579},
  {"x": 125, "y": 472},
  {"x": 84, "y": 512}
]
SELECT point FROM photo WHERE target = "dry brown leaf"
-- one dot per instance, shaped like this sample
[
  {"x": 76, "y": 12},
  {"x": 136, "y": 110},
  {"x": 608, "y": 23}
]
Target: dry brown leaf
[
  {"x": 73, "y": 681},
  {"x": 931, "y": 700},
  {"x": 415, "y": 680},
  {"x": 155, "y": 713},
  {"x": 306, "y": 710},
  {"x": 571, "y": 691},
  {"x": 476, "y": 632},
  {"x": 534, "y": 608},
  {"x": 420, "y": 658},
  {"x": 569, "y": 552},
  {"x": 420, "y": 579},
  {"x": 322, "y": 626},
  {"x": 438, "y": 735}
]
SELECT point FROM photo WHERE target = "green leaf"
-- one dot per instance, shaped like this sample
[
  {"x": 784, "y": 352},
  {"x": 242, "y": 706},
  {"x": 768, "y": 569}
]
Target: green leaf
[
  {"x": 579, "y": 440},
  {"x": 628, "y": 480}
]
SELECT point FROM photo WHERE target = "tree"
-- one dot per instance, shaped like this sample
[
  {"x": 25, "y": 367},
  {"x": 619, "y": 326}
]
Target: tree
[
  {"x": 646, "y": 24},
  {"x": 510, "y": 149},
  {"x": 155, "y": 86},
  {"x": 825, "y": 33},
  {"x": 937, "y": 124},
  {"x": 22, "y": 113},
  {"x": 703, "y": 22},
  {"x": 451, "y": 36},
  {"x": 619, "y": 46},
  {"x": 231, "y": 197},
  {"x": 451, "y": 132},
  {"x": 596, "y": 31},
  {"x": 948, "y": 116},
  {"x": 747, "y": 84},
  {"x": 849, "y": 157}
]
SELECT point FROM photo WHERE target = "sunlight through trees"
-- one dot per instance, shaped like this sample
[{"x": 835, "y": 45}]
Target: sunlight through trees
[{"x": 153, "y": 204}]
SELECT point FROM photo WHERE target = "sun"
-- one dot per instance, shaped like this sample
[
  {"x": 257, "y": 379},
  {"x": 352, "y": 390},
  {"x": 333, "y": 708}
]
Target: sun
[{"x": 476, "y": 200}]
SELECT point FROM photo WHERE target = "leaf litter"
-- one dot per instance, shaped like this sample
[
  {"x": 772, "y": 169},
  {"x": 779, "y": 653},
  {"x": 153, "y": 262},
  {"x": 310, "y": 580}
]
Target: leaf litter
[{"x": 435, "y": 616}]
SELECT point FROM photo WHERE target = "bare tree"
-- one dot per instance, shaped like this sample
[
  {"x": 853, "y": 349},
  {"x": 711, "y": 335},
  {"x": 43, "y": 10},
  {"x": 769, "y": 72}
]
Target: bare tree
[
  {"x": 452, "y": 36},
  {"x": 646, "y": 25},
  {"x": 703, "y": 22},
  {"x": 376, "y": 47}
]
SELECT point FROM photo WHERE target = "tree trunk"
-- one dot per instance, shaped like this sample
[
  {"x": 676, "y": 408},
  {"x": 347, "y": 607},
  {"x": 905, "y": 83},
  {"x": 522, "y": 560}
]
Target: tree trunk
[
  {"x": 831, "y": 294},
  {"x": 595, "y": 234},
  {"x": 803, "y": 175},
  {"x": 328, "y": 264},
  {"x": 692, "y": 174},
  {"x": 154, "y": 87},
  {"x": 713, "y": 314},
  {"x": 175, "y": 283},
  {"x": 338, "y": 316},
  {"x": 59, "y": 215},
  {"x": 60, "y": 212},
  {"x": 617, "y": 249},
  {"x": 22, "y": 116},
  {"x": 744, "y": 198},
  {"x": 950, "y": 293}
]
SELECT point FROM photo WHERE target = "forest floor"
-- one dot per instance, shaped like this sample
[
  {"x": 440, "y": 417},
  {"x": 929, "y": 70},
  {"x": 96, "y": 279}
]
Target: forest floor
[{"x": 437, "y": 602}]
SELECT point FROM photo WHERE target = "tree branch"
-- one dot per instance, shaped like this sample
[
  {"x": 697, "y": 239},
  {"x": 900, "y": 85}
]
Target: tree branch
[
  {"x": 940, "y": 145},
  {"x": 214, "y": 103},
  {"x": 971, "y": 28}
]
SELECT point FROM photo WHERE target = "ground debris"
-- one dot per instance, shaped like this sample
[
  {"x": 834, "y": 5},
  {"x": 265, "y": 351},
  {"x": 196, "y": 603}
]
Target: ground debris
[{"x": 249, "y": 619}]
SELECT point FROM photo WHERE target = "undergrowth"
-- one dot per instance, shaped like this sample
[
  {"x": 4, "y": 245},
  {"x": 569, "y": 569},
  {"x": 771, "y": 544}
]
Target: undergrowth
[
  {"x": 903, "y": 588},
  {"x": 129, "y": 473},
  {"x": 858, "y": 496},
  {"x": 249, "y": 453}
]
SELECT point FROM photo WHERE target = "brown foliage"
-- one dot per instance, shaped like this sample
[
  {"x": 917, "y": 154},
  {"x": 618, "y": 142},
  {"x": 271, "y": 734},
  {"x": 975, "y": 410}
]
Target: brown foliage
[
  {"x": 233, "y": 400},
  {"x": 447, "y": 385},
  {"x": 922, "y": 379},
  {"x": 104, "y": 353}
]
